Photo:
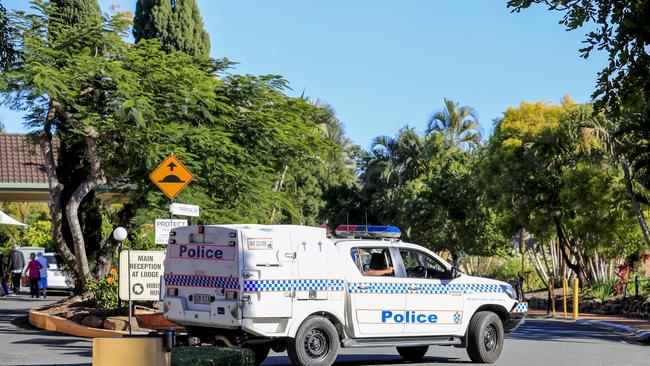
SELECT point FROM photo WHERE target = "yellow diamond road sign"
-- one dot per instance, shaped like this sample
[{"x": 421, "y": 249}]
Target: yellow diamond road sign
[{"x": 171, "y": 176}]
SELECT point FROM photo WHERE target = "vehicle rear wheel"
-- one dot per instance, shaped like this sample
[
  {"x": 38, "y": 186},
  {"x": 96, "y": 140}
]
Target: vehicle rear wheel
[
  {"x": 316, "y": 343},
  {"x": 261, "y": 351},
  {"x": 485, "y": 337},
  {"x": 413, "y": 354}
]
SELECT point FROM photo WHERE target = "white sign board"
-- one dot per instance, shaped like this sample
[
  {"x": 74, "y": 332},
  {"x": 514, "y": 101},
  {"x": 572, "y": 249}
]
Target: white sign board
[
  {"x": 164, "y": 227},
  {"x": 146, "y": 270},
  {"x": 182, "y": 209}
]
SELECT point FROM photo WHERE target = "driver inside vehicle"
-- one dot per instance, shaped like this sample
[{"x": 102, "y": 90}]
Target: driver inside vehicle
[{"x": 374, "y": 262}]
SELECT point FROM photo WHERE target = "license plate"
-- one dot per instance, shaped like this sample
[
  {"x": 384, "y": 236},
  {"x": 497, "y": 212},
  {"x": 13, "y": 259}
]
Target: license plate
[{"x": 202, "y": 299}]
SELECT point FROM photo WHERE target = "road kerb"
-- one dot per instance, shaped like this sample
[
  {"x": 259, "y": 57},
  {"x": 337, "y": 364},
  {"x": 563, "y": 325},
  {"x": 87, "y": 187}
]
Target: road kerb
[{"x": 636, "y": 334}]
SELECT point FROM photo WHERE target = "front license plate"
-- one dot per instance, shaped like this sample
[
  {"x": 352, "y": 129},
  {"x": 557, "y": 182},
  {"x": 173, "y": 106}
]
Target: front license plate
[{"x": 201, "y": 299}]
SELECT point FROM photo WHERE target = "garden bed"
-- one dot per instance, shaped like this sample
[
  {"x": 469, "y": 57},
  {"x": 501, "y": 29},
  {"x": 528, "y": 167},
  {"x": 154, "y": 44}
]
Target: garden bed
[
  {"x": 84, "y": 311},
  {"x": 630, "y": 306}
]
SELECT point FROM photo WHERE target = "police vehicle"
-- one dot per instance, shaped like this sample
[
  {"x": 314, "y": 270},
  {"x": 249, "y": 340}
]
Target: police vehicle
[{"x": 286, "y": 287}]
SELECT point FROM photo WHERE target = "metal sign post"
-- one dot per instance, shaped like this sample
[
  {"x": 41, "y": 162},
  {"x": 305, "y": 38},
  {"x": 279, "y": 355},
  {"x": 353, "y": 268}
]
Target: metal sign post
[
  {"x": 120, "y": 235},
  {"x": 129, "y": 283}
]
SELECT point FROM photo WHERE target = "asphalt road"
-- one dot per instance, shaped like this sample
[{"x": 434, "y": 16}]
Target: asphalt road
[
  {"x": 538, "y": 342},
  {"x": 21, "y": 344}
]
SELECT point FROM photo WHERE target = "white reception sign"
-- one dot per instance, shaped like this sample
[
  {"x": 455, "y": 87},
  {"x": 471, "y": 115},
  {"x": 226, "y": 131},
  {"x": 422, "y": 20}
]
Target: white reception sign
[{"x": 146, "y": 269}]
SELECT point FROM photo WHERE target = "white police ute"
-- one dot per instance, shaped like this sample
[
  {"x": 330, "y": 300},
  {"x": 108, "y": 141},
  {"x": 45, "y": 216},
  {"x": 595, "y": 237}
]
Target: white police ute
[{"x": 286, "y": 287}]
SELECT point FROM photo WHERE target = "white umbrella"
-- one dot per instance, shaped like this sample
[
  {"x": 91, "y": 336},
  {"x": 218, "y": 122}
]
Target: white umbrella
[{"x": 8, "y": 220}]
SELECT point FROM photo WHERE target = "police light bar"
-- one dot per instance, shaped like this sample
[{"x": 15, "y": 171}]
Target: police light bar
[{"x": 368, "y": 231}]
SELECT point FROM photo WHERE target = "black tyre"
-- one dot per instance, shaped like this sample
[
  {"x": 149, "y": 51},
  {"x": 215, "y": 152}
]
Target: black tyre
[
  {"x": 261, "y": 351},
  {"x": 316, "y": 343},
  {"x": 485, "y": 337},
  {"x": 413, "y": 354}
]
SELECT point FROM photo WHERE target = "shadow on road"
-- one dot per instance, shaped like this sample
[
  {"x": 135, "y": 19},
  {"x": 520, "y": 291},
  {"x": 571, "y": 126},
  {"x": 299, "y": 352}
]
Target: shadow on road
[
  {"x": 556, "y": 331},
  {"x": 368, "y": 359}
]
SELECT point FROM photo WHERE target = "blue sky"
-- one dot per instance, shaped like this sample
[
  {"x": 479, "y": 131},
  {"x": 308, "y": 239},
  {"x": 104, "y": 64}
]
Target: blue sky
[{"x": 386, "y": 64}]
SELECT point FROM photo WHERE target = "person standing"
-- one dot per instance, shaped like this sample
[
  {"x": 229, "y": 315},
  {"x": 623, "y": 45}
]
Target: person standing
[
  {"x": 33, "y": 271},
  {"x": 3, "y": 276},
  {"x": 16, "y": 266},
  {"x": 42, "y": 283}
]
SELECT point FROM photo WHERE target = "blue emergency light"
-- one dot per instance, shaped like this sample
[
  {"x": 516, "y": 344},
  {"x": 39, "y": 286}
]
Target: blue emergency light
[{"x": 368, "y": 231}]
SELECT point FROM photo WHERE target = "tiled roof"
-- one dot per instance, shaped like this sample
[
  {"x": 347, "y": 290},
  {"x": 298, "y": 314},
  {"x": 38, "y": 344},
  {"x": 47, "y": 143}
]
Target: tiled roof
[{"x": 20, "y": 160}]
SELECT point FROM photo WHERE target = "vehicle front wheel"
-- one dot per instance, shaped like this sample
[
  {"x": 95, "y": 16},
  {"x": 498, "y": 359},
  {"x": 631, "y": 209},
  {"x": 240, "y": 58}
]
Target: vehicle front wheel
[
  {"x": 316, "y": 343},
  {"x": 485, "y": 337},
  {"x": 413, "y": 354}
]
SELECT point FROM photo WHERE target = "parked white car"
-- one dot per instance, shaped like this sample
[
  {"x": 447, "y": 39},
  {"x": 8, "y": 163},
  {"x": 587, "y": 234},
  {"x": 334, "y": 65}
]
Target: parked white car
[{"x": 56, "y": 278}]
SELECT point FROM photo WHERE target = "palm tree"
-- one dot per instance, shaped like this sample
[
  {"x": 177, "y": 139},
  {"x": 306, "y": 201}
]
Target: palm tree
[
  {"x": 459, "y": 125},
  {"x": 401, "y": 158},
  {"x": 334, "y": 130}
]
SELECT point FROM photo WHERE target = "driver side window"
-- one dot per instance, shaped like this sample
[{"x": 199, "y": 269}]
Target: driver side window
[
  {"x": 420, "y": 265},
  {"x": 373, "y": 261}
]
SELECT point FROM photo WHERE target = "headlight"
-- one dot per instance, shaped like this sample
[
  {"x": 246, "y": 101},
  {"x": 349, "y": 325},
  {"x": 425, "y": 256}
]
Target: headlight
[{"x": 510, "y": 291}]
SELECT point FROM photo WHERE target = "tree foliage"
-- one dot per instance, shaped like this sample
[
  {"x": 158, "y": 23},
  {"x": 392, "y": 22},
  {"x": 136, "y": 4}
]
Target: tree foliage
[
  {"x": 428, "y": 185},
  {"x": 621, "y": 30},
  {"x": 544, "y": 173},
  {"x": 177, "y": 24},
  {"x": 131, "y": 105},
  {"x": 7, "y": 49}
]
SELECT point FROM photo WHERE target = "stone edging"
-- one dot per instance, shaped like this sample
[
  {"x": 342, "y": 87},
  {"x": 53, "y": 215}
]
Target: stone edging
[{"x": 53, "y": 323}]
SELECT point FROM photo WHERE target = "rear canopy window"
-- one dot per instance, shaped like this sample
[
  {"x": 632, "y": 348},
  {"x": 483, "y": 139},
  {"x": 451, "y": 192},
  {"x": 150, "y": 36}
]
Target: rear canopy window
[{"x": 373, "y": 261}]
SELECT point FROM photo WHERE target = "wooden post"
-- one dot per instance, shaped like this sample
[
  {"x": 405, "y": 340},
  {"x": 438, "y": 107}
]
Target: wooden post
[
  {"x": 576, "y": 296},
  {"x": 552, "y": 289},
  {"x": 565, "y": 292}
]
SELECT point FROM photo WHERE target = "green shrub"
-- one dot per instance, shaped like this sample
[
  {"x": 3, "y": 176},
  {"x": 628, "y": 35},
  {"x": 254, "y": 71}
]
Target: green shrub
[
  {"x": 509, "y": 270},
  {"x": 104, "y": 290},
  {"x": 602, "y": 290},
  {"x": 212, "y": 356}
]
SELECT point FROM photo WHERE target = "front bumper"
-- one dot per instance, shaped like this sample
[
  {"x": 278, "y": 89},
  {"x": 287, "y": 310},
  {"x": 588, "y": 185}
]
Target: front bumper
[{"x": 517, "y": 317}]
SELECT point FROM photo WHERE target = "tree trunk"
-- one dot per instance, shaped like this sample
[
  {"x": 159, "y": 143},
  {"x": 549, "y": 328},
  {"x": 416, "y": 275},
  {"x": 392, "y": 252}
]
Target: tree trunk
[
  {"x": 635, "y": 204},
  {"x": 96, "y": 178},
  {"x": 564, "y": 243},
  {"x": 105, "y": 257},
  {"x": 55, "y": 188}
]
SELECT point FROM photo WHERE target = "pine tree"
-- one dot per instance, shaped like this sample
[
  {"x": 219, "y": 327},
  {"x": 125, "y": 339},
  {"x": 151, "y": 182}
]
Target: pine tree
[
  {"x": 77, "y": 12},
  {"x": 7, "y": 51},
  {"x": 176, "y": 23}
]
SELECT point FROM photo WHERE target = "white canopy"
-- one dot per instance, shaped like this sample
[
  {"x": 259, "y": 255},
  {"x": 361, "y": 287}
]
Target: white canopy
[{"x": 8, "y": 220}]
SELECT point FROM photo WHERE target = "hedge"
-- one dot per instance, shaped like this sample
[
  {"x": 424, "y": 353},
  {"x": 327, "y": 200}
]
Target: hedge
[{"x": 212, "y": 356}]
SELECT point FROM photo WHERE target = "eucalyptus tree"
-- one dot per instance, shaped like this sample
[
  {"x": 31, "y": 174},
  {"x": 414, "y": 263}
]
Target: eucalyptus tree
[{"x": 543, "y": 175}]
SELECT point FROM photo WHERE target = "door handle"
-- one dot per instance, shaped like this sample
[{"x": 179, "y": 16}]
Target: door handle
[
  {"x": 414, "y": 288},
  {"x": 363, "y": 287}
]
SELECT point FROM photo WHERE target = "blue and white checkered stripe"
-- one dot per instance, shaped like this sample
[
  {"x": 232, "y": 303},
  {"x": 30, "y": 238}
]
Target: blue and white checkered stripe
[
  {"x": 433, "y": 288},
  {"x": 292, "y": 285},
  {"x": 202, "y": 281},
  {"x": 521, "y": 308}
]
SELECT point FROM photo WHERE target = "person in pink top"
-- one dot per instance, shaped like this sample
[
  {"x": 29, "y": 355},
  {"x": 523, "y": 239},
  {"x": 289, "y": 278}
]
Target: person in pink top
[{"x": 33, "y": 271}]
